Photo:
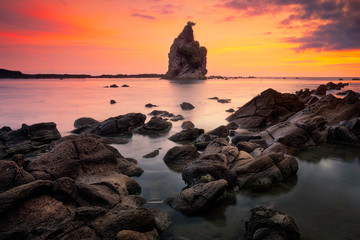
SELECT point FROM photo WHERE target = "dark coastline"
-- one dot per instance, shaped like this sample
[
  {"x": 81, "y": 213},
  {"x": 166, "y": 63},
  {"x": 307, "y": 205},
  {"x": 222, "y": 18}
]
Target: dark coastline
[{"x": 17, "y": 75}]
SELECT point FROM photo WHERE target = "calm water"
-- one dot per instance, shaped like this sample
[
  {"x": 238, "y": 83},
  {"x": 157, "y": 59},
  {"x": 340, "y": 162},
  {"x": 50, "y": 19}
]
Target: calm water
[{"x": 324, "y": 198}]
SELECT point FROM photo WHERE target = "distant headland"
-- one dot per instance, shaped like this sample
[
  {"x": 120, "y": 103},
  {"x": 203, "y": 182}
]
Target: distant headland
[{"x": 4, "y": 73}]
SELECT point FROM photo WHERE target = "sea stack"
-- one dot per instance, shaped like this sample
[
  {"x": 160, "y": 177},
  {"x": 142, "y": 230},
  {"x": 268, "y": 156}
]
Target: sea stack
[{"x": 187, "y": 60}]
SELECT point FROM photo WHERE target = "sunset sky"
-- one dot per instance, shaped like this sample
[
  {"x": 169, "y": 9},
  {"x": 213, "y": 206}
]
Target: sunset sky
[{"x": 243, "y": 37}]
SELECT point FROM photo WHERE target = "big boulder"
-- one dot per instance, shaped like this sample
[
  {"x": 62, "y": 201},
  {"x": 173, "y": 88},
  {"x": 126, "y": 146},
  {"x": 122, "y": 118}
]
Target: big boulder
[
  {"x": 187, "y": 60},
  {"x": 267, "y": 109}
]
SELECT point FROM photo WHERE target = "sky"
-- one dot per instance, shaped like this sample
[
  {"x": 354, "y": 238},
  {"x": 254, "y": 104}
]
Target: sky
[{"x": 298, "y": 38}]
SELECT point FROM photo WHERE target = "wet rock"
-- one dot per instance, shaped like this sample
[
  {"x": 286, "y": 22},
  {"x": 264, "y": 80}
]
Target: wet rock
[
  {"x": 187, "y": 60},
  {"x": 28, "y": 139},
  {"x": 221, "y": 131},
  {"x": 289, "y": 134},
  {"x": 264, "y": 170},
  {"x": 154, "y": 126},
  {"x": 114, "y": 140},
  {"x": 130, "y": 235},
  {"x": 187, "y": 125},
  {"x": 84, "y": 122},
  {"x": 232, "y": 125},
  {"x": 352, "y": 97},
  {"x": 125, "y": 85},
  {"x": 122, "y": 124},
  {"x": 140, "y": 219},
  {"x": 186, "y": 106},
  {"x": 149, "y": 105},
  {"x": 353, "y": 125},
  {"x": 114, "y": 86},
  {"x": 321, "y": 90},
  {"x": 163, "y": 221},
  {"x": 240, "y": 137},
  {"x": 193, "y": 173},
  {"x": 333, "y": 86},
  {"x": 215, "y": 146},
  {"x": 198, "y": 198},
  {"x": 88, "y": 213},
  {"x": 11, "y": 175},
  {"x": 112, "y": 101},
  {"x": 179, "y": 156},
  {"x": 177, "y": 118},
  {"x": 186, "y": 135},
  {"x": 340, "y": 133},
  {"x": 266, "y": 109},
  {"x": 77, "y": 156},
  {"x": 247, "y": 146},
  {"x": 230, "y": 110},
  {"x": 267, "y": 223},
  {"x": 129, "y": 167},
  {"x": 201, "y": 146},
  {"x": 152, "y": 154}
]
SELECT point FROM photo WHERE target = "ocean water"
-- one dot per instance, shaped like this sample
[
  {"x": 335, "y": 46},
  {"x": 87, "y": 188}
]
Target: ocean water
[{"x": 323, "y": 199}]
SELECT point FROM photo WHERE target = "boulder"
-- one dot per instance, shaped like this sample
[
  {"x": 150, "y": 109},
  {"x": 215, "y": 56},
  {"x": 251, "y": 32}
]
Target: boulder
[
  {"x": 187, "y": 60},
  {"x": 215, "y": 146},
  {"x": 84, "y": 122},
  {"x": 264, "y": 170},
  {"x": 353, "y": 125},
  {"x": 114, "y": 221},
  {"x": 156, "y": 125},
  {"x": 320, "y": 90},
  {"x": 267, "y": 223},
  {"x": 186, "y": 106},
  {"x": 340, "y": 133},
  {"x": 247, "y": 146},
  {"x": 232, "y": 126},
  {"x": 221, "y": 131},
  {"x": 177, "y": 118},
  {"x": 28, "y": 139},
  {"x": 187, "y": 125},
  {"x": 198, "y": 198},
  {"x": 122, "y": 124},
  {"x": 186, "y": 135},
  {"x": 11, "y": 175},
  {"x": 163, "y": 221},
  {"x": 77, "y": 156},
  {"x": 267, "y": 109},
  {"x": 178, "y": 156},
  {"x": 196, "y": 172},
  {"x": 289, "y": 134},
  {"x": 130, "y": 235},
  {"x": 240, "y": 137}
]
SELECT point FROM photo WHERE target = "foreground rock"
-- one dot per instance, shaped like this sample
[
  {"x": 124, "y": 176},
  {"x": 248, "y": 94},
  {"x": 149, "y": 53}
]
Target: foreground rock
[
  {"x": 81, "y": 189},
  {"x": 179, "y": 156},
  {"x": 198, "y": 198},
  {"x": 28, "y": 139},
  {"x": 267, "y": 109},
  {"x": 155, "y": 126},
  {"x": 187, "y": 60},
  {"x": 267, "y": 223}
]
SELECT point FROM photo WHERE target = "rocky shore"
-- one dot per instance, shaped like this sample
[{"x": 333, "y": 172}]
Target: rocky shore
[{"x": 80, "y": 187}]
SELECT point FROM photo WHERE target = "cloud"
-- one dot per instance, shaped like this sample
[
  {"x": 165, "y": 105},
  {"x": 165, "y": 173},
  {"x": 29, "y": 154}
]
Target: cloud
[
  {"x": 338, "y": 20},
  {"x": 143, "y": 16}
]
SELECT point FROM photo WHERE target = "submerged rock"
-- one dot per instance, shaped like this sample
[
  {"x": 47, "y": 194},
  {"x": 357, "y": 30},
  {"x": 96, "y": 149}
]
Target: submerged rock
[
  {"x": 187, "y": 60},
  {"x": 152, "y": 154},
  {"x": 267, "y": 223},
  {"x": 149, "y": 105}
]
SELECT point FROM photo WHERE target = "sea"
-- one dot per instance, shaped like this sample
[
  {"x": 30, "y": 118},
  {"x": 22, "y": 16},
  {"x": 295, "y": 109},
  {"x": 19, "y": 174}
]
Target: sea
[{"x": 324, "y": 197}]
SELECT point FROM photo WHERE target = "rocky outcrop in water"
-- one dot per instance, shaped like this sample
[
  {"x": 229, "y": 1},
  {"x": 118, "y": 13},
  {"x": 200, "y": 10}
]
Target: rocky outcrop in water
[
  {"x": 187, "y": 60},
  {"x": 28, "y": 139}
]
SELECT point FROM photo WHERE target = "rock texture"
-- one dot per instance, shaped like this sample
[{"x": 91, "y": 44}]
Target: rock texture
[
  {"x": 27, "y": 139},
  {"x": 267, "y": 223},
  {"x": 187, "y": 60}
]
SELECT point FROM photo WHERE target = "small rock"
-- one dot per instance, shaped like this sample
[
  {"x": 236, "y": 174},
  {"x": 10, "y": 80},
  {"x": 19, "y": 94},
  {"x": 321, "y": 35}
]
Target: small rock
[
  {"x": 152, "y": 154},
  {"x": 112, "y": 101},
  {"x": 232, "y": 126},
  {"x": 214, "y": 98},
  {"x": 84, "y": 122},
  {"x": 177, "y": 118},
  {"x": 149, "y": 105},
  {"x": 114, "y": 86},
  {"x": 224, "y": 100},
  {"x": 125, "y": 85},
  {"x": 187, "y": 125},
  {"x": 163, "y": 221},
  {"x": 230, "y": 110},
  {"x": 186, "y": 106}
]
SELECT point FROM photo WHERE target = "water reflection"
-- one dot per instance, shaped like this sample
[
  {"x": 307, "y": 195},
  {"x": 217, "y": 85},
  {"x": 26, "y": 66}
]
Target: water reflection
[{"x": 316, "y": 154}]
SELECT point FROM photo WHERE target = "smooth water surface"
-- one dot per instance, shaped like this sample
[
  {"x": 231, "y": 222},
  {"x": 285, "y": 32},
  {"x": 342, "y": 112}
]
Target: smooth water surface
[{"x": 324, "y": 198}]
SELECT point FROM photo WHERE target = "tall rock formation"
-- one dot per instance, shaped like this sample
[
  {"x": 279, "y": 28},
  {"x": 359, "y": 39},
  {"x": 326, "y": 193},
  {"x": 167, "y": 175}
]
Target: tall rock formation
[{"x": 187, "y": 60}]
